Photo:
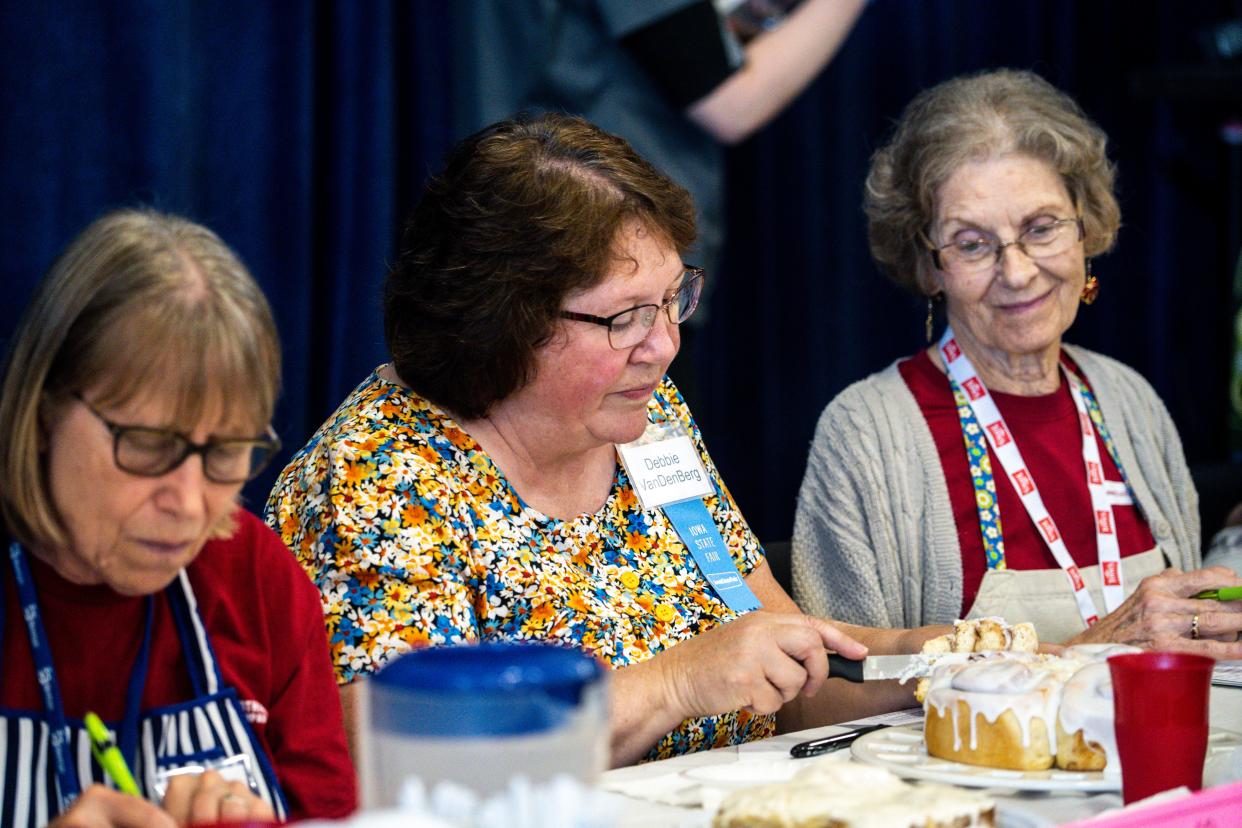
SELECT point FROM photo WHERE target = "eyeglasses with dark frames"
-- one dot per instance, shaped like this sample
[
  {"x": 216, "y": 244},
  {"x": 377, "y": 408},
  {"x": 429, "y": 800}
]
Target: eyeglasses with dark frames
[
  {"x": 154, "y": 452},
  {"x": 630, "y": 326},
  {"x": 981, "y": 251}
]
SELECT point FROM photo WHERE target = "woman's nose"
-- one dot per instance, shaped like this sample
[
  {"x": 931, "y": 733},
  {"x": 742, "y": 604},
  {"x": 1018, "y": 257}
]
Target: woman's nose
[
  {"x": 1017, "y": 267},
  {"x": 182, "y": 490},
  {"x": 661, "y": 341}
]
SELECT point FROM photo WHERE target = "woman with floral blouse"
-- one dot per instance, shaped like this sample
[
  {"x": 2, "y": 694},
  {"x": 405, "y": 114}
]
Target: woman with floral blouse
[{"x": 471, "y": 489}]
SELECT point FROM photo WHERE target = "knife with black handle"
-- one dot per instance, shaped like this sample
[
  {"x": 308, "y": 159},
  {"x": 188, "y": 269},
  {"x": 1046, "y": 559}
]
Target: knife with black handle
[
  {"x": 826, "y": 744},
  {"x": 877, "y": 668}
]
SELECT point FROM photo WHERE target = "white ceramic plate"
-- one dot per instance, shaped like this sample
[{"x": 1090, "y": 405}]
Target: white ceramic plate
[
  {"x": 901, "y": 750},
  {"x": 744, "y": 774}
]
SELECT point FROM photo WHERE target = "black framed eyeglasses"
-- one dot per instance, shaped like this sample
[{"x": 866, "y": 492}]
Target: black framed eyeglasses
[
  {"x": 629, "y": 327},
  {"x": 153, "y": 452},
  {"x": 981, "y": 251}
]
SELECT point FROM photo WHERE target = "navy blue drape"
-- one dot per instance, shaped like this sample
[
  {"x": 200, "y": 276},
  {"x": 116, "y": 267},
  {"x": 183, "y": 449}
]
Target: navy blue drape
[{"x": 301, "y": 132}]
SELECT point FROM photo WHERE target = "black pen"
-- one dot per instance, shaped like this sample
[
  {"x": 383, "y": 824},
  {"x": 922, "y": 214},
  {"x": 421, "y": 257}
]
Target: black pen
[{"x": 827, "y": 744}]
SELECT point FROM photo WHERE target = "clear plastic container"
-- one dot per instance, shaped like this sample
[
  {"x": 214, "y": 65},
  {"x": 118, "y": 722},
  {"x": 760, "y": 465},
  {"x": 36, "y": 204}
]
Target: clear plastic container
[{"x": 477, "y": 715}]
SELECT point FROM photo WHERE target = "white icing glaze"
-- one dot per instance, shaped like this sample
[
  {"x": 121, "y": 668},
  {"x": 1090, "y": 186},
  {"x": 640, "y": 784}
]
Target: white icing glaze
[
  {"x": 1075, "y": 689},
  {"x": 1002, "y": 675},
  {"x": 847, "y": 775},
  {"x": 859, "y": 796},
  {"x": 1087, "y": 705},
  {"x": 1001, "y": 682},
  {"x": 1098, "y": 652}
]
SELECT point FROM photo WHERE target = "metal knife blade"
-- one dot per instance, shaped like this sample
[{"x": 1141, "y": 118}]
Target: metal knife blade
[{"x": 902, "y": 667}]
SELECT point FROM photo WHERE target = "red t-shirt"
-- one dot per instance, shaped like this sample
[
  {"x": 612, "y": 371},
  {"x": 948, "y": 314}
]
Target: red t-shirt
[
  {"x": 1046, "y": 431},
  {"x": 265, "y": 622}
]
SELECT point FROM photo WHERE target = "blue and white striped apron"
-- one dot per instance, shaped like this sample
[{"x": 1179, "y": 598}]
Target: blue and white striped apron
[{"x": 45, "y": 757}]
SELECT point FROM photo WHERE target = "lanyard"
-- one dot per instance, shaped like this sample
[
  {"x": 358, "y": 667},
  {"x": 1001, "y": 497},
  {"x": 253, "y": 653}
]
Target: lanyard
[
  {"x": 67, "y": 783},
  {"x": 990, "y": 425}
]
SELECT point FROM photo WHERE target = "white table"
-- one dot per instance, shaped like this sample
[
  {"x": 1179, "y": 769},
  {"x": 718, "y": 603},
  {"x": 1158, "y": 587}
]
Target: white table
[{"x": 1225, "y": 713}]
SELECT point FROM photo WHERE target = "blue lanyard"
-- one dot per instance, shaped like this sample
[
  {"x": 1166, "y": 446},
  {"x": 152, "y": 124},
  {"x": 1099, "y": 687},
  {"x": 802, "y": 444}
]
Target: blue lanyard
[
  {"x": 700, "y": 535},
  {"x": 981, "y": 470},
  {"x": 67, "y": 783}
]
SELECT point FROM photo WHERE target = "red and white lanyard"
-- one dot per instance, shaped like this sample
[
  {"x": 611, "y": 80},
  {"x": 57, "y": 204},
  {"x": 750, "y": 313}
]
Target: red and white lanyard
[{"x": 1006, "y": 450}]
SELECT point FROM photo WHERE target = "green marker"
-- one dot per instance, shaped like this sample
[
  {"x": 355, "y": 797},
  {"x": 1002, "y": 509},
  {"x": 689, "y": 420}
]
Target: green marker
[
  {"x": 1225, "y": 594},
  {"x": 108, "y": 755}
]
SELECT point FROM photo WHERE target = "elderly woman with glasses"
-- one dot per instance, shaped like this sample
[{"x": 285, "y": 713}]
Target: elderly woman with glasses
[
  {"x": 523, "y": 470},
  {"x": 135, "y": 403},
  {"x": 1002, "y": 471}
]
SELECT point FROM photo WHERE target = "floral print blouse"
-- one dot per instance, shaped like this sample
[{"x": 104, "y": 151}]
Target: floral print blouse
[{"x": 414, "y": 537}]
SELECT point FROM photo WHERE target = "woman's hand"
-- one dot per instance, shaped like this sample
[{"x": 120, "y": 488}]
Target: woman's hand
[
  {"x": 1160, "y": 615},
  {"x": 100, "y": 807},
  {"x": 208, "y": 798},
  {"x": 758, "y": 662}
]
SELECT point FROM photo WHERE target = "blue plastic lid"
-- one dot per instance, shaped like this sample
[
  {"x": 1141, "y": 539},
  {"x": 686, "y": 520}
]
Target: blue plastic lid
[{"x": 479, "y": 690}]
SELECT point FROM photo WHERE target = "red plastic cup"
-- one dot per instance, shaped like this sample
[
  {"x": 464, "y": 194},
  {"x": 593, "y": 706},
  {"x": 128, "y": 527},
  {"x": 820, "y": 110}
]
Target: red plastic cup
[{"x": 1160, "y": 701}]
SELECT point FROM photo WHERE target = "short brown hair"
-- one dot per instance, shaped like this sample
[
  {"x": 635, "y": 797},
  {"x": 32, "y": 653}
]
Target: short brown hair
[
  {"x": 139, "y": 301},
  {"x": 525, "y": 212},
  {"x": 973, "y": 118}
]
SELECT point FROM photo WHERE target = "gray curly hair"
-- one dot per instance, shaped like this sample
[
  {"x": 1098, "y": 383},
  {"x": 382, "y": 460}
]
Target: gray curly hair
[{"x": 973, "y": 118}]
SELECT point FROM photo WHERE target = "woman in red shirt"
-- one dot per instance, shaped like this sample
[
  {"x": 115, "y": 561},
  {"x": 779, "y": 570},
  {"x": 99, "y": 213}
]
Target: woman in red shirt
[{"x": 135, "y": 404}]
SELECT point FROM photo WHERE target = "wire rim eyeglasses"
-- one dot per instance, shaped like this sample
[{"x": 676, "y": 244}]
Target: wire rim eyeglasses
[
  {"x": 983, "y": 251},
  {"x": 629, "y": 327}
]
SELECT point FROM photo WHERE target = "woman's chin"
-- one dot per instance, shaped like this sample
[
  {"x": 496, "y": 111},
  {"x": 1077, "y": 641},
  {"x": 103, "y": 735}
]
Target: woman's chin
[
  {"x": 626, "y": 428},
  {"x": 1037, "y": 337},
  {"x": 138, "y": 582}
]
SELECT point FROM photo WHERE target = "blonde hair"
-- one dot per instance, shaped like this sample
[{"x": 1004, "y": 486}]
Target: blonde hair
[
  {"x": 140, "y": 302},
  {"x": 974, "y": 118}
]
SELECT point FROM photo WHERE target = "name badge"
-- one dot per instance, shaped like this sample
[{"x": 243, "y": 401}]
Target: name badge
[
  {"x": 667, "y": 473},
  {"x": 231, "y": 768},
  {"x": 664, "y": 468}
]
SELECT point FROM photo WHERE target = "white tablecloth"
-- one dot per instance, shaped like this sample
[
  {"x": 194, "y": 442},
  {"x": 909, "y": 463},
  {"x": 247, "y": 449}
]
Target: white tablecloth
[{"x": 667, "y": 781}]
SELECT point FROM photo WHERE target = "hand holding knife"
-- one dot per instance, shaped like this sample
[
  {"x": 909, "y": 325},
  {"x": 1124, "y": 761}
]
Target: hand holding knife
[{"x": 871, "y": 668}]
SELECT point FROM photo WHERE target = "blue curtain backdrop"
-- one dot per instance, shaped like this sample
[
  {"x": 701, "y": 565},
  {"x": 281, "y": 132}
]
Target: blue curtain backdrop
[{"x": 302, "y": 132}]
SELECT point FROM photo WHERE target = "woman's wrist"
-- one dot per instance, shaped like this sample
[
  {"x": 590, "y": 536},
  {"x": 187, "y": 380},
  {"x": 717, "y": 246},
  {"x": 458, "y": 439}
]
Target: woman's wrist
[{"x": 645, "y": 706}]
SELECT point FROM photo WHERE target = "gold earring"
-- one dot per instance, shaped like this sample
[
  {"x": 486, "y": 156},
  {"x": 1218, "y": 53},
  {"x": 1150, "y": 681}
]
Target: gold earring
[
  {"x": 1090, "y": 288},
  {"x": 930, "y": 320}
]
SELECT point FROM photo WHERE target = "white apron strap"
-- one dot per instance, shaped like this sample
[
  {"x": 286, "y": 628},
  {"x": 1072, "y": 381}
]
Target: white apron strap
[{"x": 1040, "y": 597}]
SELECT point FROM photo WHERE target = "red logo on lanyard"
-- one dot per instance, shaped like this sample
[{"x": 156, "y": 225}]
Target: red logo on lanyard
[
  {"x": 1112, "y": 577},
  {"x": 999, "y": 434},
  {"x": 974, "y": 388},
  {"x": 1094, "y": 476},
  {"x": 1104, "y": 522},
  {"x": 951, "y": 351},
  {"x": 1086, "y": 424},
  {"x": 1050, "y": 533},
  {"x": 1022, "y": 482},
  {"x": 1076, "y": 577},
  {"x": 1091, "y": 619}
]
